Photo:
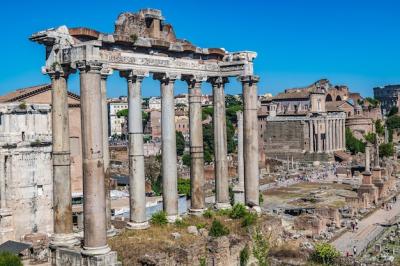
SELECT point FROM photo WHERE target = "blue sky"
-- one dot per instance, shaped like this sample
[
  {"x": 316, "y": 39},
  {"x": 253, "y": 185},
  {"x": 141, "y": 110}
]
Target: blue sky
[{"x": 353, "y": 42}]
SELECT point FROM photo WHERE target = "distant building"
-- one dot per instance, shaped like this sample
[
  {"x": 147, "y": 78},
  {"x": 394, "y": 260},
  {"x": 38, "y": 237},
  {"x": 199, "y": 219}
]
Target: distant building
[
  {"x": 116, "y": 123},
  {"x": 26, "y": 183},
  {"x": 41, "y": 94},
  {"x": 155, "y": 103},
  {"x": 388, "y": 96},
  {"x": 300, "y": 124}
]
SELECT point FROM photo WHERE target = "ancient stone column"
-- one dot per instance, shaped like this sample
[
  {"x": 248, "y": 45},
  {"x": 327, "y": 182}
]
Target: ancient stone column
[
  {"x": 368, "y": 157},
  {"x": 319, "y": 139},
  {"x": 344, "y": 133},
  {"x": 327, "y": 135},
  {"x": 105, "y": 72},
  {"x": 311, "y": 135},
  {"x": 137, "y": 182},
  {"x": 376, "y": 158},
  {"x": 250, "y": 143},
  {"x": 197, "y": 204},
  {"x": 220, "y": 144},
  {"x": 239, "y": 188},
  {"x": 334, "y": 134},
  {"x": 168, "y": 138},
  {"x": 341, "y": 126},
  {"x": 94, "y": 202},
  {"x": 62, "y": 200}
]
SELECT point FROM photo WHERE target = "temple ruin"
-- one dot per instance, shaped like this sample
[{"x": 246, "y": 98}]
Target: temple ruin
[{"x": 141, "y": 45}]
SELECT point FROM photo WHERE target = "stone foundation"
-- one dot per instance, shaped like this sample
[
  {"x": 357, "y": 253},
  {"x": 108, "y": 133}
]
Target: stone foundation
[{"x": 68, "y": 257}]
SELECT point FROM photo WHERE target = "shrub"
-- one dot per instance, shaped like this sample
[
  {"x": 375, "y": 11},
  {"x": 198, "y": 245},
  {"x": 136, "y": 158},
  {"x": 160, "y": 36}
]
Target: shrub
[
  {"x": 184, "y": 186},
  {"x": 159, "y": 218},
  {"x": 244, "y": 256},
  {"x": 203, "y": 261},
  {"x": 181, "y": 223},
  {"x": 324, "y": 253},
  {"x": 224, "y": 212},
  {"x": 238, "y": 211},
  {"x": 208, "y": 214},
  {"x": 249, "y": 219},
  {"x": 218, "y": 229},
  {"x": 22, "y": 106},
  {"x": 386, "y": 149},
  {"x": 260, "y": 248},
  {"x": 186, "y": 159},
  {"x": 9, "y": 259},
  {"x": 201, "y": 226}
]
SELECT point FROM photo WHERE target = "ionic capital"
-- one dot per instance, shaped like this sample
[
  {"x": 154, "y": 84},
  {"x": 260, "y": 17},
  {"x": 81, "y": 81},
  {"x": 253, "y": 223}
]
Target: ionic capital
[
  {"x": 194, "y": 80},
  {"x": 106, "y": 71},
  {"x": 166, "y": 78},
  {"x": 218, "y": 81},
  {"x": 252, "y": 79},
  {"x": 90, "y": 66},
  {"x": 134, "y": 75},
  {"x": 56, "y": 71}
]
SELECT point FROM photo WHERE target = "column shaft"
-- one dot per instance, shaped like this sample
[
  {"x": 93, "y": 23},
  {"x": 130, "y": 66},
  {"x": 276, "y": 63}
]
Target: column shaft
[
  {"x": 220, "y": 145},
  {"x": 137, "y": 185},
  {"x": 196, "y": 147},
  {"x": 62, "y": 201},
  {"x": 319, "y": 138},
  {"x": 311, "y": 135},
  {"x": 168, "y": 138},
  {"x": 344, "y": 133},
  {"x": 250, "y": 145},
  {"x": 106, "y": 153},
  {"x": 94, "y": 205},
  {"x": 240, "y": 149},
  {"x": 335, "y": 134}
]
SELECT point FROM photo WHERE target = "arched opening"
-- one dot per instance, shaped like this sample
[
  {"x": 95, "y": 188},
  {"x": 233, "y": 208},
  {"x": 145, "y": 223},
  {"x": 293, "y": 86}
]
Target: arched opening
[
  {"x": 328, "y": 98},
  {"x": 338, "y": 98}
]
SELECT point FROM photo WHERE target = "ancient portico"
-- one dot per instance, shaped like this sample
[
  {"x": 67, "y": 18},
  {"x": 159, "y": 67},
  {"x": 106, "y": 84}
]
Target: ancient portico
[{"x": 143, "y": 45}]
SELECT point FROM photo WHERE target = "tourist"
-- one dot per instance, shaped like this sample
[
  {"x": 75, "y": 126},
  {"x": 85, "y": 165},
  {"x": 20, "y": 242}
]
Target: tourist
[{"x": 354, "y": 251}]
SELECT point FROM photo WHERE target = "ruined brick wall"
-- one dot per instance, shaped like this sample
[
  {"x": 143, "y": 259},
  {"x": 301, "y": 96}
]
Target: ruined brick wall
[{"x": 285, "y": 138}]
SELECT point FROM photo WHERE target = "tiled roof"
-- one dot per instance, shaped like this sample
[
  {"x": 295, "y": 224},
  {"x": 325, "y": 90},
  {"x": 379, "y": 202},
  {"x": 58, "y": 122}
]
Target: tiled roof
[
  {"x": 292, "y": 95},
  {"x": 24, "y": 93}
]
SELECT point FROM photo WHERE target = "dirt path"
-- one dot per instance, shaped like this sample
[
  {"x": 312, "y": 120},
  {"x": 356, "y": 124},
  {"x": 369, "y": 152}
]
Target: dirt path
[{"x": 368, "y": 229}]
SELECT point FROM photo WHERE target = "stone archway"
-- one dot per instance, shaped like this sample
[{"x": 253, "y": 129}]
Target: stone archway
[
  {"x": 328, "y": 98},
  {"x": 338, "y": 98}
]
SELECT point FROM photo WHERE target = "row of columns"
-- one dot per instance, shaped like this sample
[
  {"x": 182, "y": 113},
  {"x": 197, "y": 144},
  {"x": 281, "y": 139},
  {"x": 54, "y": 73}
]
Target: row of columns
[
  {"x": 334, "y": 135},
  {"x": 97, "y": 209}
]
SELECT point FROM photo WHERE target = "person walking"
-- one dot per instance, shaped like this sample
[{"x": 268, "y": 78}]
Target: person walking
[{"x": 354, "y": 251}]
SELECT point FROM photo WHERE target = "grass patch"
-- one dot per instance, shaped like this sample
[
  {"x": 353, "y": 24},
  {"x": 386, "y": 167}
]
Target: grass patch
[
  {"x": 159, "y": 218},
  {"x": 218, "y": 229},
  {"x": 208, "y": 214}
]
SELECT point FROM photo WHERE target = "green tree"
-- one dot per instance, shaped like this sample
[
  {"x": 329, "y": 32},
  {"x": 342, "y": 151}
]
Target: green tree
[
  {"x": 125, "y": 112},
  {"x": 386, "y": 149},
  {"x": 180, "y": 143},
  {"x": 184, "y": 186},
  {"x": 325, "y": 253},
  {"x": 353, "y": 144},
  {"x": 379, "y": 128},
  {"x": 374, "y": 102},
  {"x": 393, "y": 122},
  {"x": 370, "y": 137},
  {"x": 208, "y": 142},
  {"x": 186, "y": 159},
  {"x": 233, "y": 100},
  {"x": 9, "y": 259},
  {"x": 393, "y": 111},
  {"x": 206, "y": 112}
]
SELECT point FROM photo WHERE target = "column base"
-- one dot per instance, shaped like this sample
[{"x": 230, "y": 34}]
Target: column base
[
  {"x": 64, "y": 241},
  {"x": 222, "y": 205},
  {"x": 137, "y": 226},
  {"x": 173, "y": 218},
  {"x": 197, "y": 212},
  {"x": 111, "y": 231},
  {"x": 95, "y": 251},
  {"x": 256, "y": 209},
  {"x": 238, "y": 195}
]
